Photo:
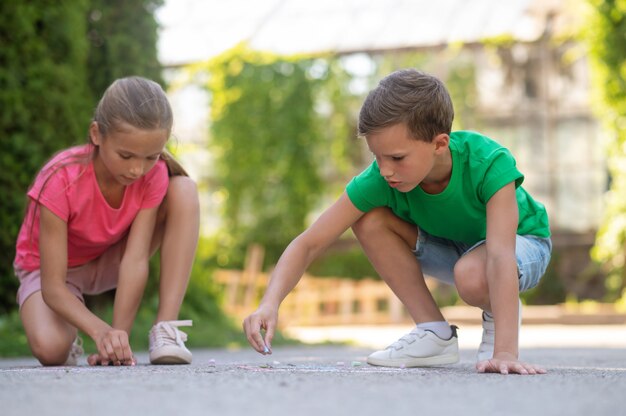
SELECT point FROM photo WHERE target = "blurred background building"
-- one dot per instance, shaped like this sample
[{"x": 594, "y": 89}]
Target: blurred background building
[{"x": 523, "y": 72}]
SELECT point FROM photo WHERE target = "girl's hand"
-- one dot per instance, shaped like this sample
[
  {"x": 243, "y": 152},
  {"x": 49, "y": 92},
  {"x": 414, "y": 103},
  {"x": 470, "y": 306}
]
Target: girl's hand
[
  {"x": 95, "y": 359},
  {"x": 113, "y": 347},
  {"x": 263, "y": 318},
  {"x": 506, "y": 363}
]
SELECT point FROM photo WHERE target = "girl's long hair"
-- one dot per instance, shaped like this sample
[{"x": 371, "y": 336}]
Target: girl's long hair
[{"x": 131, "y": 101}]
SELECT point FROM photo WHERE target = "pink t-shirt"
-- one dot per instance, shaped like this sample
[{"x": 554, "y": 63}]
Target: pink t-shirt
[{"x": 72, "y": 193}]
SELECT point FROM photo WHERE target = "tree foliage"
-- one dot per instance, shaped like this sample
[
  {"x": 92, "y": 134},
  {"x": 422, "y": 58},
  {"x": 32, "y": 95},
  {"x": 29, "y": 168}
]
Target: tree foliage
[
  {"x": 56, "y": 59},
  {"x": 606, "y": 34},
  {"x": 45, "y": 105},
  {"x": 265, "y": 140},
  {"x": 123, "y": 38}
]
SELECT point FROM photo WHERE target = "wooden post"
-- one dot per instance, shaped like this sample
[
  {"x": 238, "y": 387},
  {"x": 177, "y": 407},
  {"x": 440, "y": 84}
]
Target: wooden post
[{"x": 251, "y": 274}]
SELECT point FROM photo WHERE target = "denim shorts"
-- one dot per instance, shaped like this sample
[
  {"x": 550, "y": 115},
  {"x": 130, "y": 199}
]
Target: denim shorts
[{"x": 437, "y": 257}]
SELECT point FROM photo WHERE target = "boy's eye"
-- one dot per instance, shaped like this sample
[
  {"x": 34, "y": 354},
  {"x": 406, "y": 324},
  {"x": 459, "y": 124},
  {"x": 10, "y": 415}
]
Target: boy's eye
[
  {"x": 125, "y": 157},
  {"x": 397, "y": 158}
]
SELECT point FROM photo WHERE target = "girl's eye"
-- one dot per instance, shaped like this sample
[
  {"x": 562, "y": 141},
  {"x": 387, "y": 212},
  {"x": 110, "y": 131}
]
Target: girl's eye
[
  {"x": 125, "y": 157},
  {"x": 397, "y": 158}
]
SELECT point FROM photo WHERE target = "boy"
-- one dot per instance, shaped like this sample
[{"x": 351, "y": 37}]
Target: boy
[{"x": 433, "y": 202}]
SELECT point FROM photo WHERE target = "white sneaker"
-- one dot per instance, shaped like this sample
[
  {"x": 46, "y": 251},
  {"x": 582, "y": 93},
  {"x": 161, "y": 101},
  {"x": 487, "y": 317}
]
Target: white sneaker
[
  {"x": 485, "y": 350},
  {"x": 418, "y": 348},
  {"x": 76, "y": 351},
  {"x": 167, "y": 343}
]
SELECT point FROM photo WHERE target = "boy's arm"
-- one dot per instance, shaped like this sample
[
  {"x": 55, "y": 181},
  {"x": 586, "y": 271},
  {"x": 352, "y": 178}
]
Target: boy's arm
[
  {"x": 503, "y": 283},
  {"x": 292, "y": 264}
]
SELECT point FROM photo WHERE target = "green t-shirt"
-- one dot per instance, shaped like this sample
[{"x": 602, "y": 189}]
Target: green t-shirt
[{"x": 480, "y": 167}]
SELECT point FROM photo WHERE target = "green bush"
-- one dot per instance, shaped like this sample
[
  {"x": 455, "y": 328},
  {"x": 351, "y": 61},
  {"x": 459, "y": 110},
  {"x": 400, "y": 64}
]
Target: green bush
[{"x": 45, "y": 105}]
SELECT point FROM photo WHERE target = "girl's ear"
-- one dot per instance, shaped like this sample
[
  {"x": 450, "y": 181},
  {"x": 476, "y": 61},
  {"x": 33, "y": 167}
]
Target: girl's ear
[{"x": 94, "y": 134}]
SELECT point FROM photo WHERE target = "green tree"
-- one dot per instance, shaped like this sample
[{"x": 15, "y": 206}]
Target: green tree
[
  {"x": 44, "y": 101},
  {"x": 266, "y": 143},
  {"x": 606, "y": 34},
  {"x": 123, "y": 37}
]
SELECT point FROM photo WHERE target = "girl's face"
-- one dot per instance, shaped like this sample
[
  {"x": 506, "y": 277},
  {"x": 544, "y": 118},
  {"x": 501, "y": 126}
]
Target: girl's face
[
  {"x": 126, "y": 155},
  {"x": 405, "y": 162}
]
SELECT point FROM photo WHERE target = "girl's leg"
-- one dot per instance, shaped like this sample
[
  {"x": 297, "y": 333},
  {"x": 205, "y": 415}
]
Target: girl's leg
[
  {"x": 177, "y": 236},
  {"x": 388, "y": 242},
  {"x": 49, "y": 336}
]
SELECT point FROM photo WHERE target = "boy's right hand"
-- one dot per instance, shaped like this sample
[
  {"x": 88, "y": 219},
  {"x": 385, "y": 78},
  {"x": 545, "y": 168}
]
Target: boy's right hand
[
  {"x": 264, "y": 318},
  {"x": 113, "y": 346}
]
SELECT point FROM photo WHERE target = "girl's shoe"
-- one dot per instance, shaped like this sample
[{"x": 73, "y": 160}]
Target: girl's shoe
[
  {"x": 75, "y": 352},
  {"x": 167, "y": 343}
]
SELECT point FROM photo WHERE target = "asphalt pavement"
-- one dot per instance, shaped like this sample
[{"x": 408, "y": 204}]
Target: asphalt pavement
[{"x": 324, "y": 380}]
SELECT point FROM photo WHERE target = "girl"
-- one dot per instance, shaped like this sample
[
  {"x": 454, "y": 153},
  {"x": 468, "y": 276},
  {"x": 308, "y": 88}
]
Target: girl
[{"x": 96, "y": 214}]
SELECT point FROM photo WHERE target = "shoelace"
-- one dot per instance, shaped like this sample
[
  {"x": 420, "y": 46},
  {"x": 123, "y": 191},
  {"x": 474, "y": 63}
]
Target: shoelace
[
  {"x": 409, "y": 338},
  {"x": 167, "y": 333}
]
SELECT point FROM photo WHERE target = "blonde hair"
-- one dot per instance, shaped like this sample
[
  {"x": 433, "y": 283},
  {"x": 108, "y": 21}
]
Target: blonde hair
[
  {"x": 140, "y": 103},
  {"x": 408, "y": 96},
  {"x": 134, "y": 101}
]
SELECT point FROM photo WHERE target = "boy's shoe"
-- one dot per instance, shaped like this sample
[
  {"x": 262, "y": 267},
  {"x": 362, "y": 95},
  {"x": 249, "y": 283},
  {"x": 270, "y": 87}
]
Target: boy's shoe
[
  {"x": 167, "y": 343},
  {"x": 76, "y": 351},
  {"x": 418, "y": 348},
  {"x": 485, "y": 350}
]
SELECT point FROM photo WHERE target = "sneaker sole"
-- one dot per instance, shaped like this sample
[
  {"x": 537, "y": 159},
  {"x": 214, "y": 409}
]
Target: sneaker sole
[
  {"x": 169, "y": 359},
  {"x": 415, "y": 362}
]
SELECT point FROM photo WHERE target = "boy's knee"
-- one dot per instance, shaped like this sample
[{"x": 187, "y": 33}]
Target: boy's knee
[
  {"x": 470, "y": 282},
  {"x": 372, "y": 221}
]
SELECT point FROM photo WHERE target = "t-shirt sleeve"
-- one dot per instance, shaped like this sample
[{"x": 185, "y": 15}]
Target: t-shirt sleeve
[
  {"x": 157, "y": 181},
  {"x": 50, "y": 189},
  {"x": 500, "y": 170},
  {"x": 368, "y": 190}
]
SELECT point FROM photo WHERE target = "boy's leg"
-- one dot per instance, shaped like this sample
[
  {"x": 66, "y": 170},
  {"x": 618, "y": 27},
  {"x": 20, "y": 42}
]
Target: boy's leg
[
  {"x": 532, "y": 257},
  {"x": 177, "y": 236},
  {"x": 49, "y": 336},
  {"x": 388, "y": 242},
  {"x": 470, "y": 278},
  {"x": 470, "y": 275}
]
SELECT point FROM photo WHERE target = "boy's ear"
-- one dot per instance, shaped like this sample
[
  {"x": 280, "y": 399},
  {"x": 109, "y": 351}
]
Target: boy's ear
[
  {"x": 94, "y": 133},
  {"x": 441, "y": 141}
]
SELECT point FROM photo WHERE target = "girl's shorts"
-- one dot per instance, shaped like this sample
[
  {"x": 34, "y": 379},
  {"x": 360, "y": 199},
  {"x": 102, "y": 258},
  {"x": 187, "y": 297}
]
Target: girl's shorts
[
  {"x": 437, "y": 257},
  {"x": 97, "y": 276}
]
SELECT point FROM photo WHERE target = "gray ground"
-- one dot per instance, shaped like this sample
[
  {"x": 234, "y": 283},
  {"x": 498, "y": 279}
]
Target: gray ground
[{"x": 318, "y": 381}]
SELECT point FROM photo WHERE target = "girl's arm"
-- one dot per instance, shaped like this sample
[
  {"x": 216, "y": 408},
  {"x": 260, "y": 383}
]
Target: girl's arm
[
  {"x": 133, "y": 273},
  {"x": 112, "y": 345},
  {"x": 292, "y": 265},
  {"x": 503, "y": 283}
]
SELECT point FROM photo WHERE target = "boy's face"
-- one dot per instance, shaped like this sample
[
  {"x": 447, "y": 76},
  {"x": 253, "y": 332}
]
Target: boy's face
[{"x": 403, "y": 161}]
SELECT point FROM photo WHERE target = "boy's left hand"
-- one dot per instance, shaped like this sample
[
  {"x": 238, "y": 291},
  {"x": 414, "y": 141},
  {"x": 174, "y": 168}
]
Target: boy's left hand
[{"x": 506, "y": 363}]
